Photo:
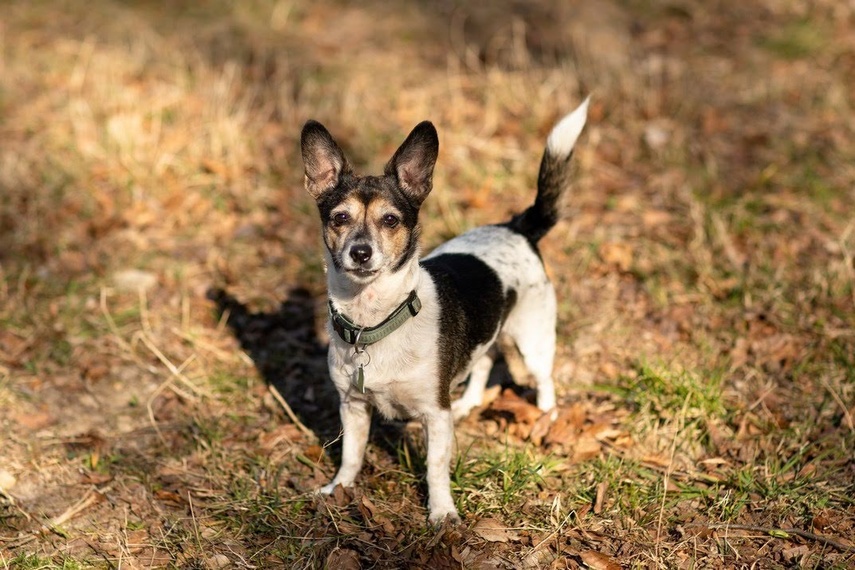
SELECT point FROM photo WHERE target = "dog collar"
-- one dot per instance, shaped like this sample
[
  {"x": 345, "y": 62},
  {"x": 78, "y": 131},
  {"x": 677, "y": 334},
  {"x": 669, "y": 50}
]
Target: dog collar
[{"x": 352, "y": 333}]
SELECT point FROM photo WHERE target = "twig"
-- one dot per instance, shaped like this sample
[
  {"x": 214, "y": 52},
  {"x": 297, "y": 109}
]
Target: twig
[
  {"x": 175, "y": 370},
  {"x": 840, "y": 403},
  {"x": 666, "y": 476},
  {"x": 91, "y": 497},
  {"x": 278, "y": 397},
  {"x": 552, "y": 535},
  {"x": 600, "y": 497},
  {"x": 785, "y": 534},
  {"x": 117, "y": 336},
  {"x": 168, "y": 383},
  {"x": 15, "y": 504},
  {"x": 196, "y": 342},
  {"x": 684, "y": 476}
]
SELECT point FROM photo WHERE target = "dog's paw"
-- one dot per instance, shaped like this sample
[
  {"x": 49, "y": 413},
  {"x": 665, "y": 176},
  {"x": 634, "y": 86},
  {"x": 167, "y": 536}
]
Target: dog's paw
[
  {"x": 328, "y": 489},
  {"x": 438, "y": 517},
  {"x": 460, "y": 409}
]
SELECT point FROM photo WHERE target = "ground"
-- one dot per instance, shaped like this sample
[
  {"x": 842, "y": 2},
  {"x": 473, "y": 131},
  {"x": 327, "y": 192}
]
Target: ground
[{"x": 162, "y": 374}]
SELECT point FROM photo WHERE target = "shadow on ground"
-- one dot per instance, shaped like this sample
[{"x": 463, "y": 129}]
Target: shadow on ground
[
  {"x": 288, "y": 354},
  {"x": 286, "y": 351}
]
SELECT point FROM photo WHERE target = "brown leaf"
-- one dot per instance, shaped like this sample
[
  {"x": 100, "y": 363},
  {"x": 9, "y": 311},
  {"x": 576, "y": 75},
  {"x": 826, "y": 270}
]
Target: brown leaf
[
  {"x": 657, "y": 461},
  {"x": 342, "y": 495},
  {"x": 519, "y": 409},
  {"x": 137, "y": 540},
  {"x": 96, "y": 372},
  {"x": 169, "y": 497},
  {"x": 600, "y": 498},
  {"x": 653, "y": 218},
  {"x": 617, "y": 254},
  {"x": 797, "y": 554},
  {"x": 314, "y": 453},
  {"x": 567, "y": 426},
  {"x": 343, "y": 559},
  {"x": 94, "y": 478},
  {"x": 34, "y": 420},
  {"x": 370, "y": 514},
  {"x": 598, "y": 561},
  {"x": 285, "y": 433},
  {"x": 214, "y": 166},
  {"x": 586, "y": 448},
  {"x": 493, "y": 530},
  {"x": 12, "y": 346},
  {"x": 541, "y": 428}
]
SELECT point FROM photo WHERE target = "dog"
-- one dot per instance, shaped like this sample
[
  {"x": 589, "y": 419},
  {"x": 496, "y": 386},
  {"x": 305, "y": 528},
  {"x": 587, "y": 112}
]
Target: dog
[{"x": 405, "y": 331}]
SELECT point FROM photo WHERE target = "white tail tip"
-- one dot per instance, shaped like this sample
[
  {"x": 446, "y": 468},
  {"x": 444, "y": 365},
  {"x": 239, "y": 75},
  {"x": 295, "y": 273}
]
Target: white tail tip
[{"x": 563, "y": 136}]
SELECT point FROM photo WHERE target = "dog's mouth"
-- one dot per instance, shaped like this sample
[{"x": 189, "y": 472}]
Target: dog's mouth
[{"x": 363, "y": 273}]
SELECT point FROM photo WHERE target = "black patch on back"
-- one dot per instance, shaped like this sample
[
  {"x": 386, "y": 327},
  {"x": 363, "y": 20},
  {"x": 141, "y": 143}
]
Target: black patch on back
[{"x": 472, "y": 308}]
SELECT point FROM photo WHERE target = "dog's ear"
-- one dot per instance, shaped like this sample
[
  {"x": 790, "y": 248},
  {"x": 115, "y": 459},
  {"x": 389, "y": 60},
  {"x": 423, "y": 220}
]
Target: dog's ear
[
  {"x": 323, "y": 160},
  {"x": 412, "y": 164}
]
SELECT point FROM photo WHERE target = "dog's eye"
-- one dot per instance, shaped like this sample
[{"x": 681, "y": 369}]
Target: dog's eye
[
  {"x": 390, "y": 220},
  {"x": 341, "y": 218}
]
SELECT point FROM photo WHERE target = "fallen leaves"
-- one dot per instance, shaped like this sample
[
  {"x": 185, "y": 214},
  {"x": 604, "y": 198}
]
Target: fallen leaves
[
  {"x": 598, "y": 561},
  {"x": 343, "y": 559},
  {"x": 374, "y": 516},
  {"x": 280, "y": 436},
  {"x": 492, "y": 530},
  {"x": 34, "y": 420},
  {"x": 765, "y": 345},
  {"x": 578, "y": 430},
  {"x": 12, "y": 347},
  {"x": 617, "y": 254}
]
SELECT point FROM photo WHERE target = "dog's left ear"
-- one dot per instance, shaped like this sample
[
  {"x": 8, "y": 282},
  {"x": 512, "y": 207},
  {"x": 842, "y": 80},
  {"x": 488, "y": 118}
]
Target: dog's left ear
[{"x": 412, "y": 164}]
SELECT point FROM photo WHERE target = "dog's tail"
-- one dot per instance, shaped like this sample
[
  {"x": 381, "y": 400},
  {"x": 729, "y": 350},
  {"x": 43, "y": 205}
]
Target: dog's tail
[{"x": 553, "y": 179}]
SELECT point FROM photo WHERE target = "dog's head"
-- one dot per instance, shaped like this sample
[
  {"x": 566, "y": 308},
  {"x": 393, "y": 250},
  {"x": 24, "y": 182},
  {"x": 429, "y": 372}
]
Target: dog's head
[{"x": 370, "y": 223}]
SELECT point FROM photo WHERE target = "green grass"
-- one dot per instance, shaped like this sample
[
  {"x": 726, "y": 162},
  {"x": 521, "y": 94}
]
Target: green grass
[
  {"x": 500, "y": 480},
  {"x": 796, "y": 40},
  {"x": 35, "y": 562},
  {"x": 665, "y": 395}
]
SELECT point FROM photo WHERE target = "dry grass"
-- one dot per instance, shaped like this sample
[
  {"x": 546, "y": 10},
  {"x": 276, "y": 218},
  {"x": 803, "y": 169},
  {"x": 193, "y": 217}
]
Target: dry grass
[{"x": 162, "y": 374}]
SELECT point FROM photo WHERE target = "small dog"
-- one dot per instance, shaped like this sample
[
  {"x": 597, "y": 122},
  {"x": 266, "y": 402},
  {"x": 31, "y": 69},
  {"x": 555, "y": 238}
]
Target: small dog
[{"x": 404, "y": 331}]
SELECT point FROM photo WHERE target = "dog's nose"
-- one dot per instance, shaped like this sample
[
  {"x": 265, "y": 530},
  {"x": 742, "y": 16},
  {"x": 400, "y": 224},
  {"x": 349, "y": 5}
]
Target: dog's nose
[{"x": 360, "y": 253}]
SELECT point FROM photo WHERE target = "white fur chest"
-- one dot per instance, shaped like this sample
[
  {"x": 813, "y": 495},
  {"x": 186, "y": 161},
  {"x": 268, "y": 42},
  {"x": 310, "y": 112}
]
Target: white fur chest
[{"x": 400, "y": 371}]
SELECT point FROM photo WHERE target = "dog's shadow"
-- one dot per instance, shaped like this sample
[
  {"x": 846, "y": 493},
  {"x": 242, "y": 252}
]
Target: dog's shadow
[{"x": 289, "y": 355}]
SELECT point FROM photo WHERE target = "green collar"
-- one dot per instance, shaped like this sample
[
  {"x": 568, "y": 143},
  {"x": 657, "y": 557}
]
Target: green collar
[{"x": 353, "y": 334}]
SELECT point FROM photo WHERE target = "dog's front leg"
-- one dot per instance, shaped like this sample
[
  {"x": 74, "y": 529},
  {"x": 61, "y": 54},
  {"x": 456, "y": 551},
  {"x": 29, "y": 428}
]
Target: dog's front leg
[
  {"x": 355, "y": 423},
  {"x": 440, "y": 439}
]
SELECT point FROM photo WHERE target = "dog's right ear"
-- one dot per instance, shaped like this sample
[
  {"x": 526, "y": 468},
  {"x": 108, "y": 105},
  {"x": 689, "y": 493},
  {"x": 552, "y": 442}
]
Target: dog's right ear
[{"x": 323, "y": 160}]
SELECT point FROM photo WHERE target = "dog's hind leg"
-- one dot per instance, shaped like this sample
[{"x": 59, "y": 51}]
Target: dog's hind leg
[
  {"x": 539, "y": 358},
  {"x": 355, "y": 423},
  {"x": 532, "y": 327},
  {"x": 473, "y": 396}
]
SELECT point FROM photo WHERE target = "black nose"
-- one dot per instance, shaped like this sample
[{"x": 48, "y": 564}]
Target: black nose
[{"x": 360, "y": 253}]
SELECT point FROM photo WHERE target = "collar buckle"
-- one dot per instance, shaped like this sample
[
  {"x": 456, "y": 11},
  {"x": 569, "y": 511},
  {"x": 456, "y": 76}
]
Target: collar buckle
[{"x": 353, "y": 334}]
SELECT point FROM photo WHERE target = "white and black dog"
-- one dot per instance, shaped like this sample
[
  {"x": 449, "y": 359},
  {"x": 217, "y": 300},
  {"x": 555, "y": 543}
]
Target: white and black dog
[{"x": 405, "y": 331}]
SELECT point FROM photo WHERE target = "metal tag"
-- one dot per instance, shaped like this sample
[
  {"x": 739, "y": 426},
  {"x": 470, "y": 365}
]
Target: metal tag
[{"x": 359, "y": 379}]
